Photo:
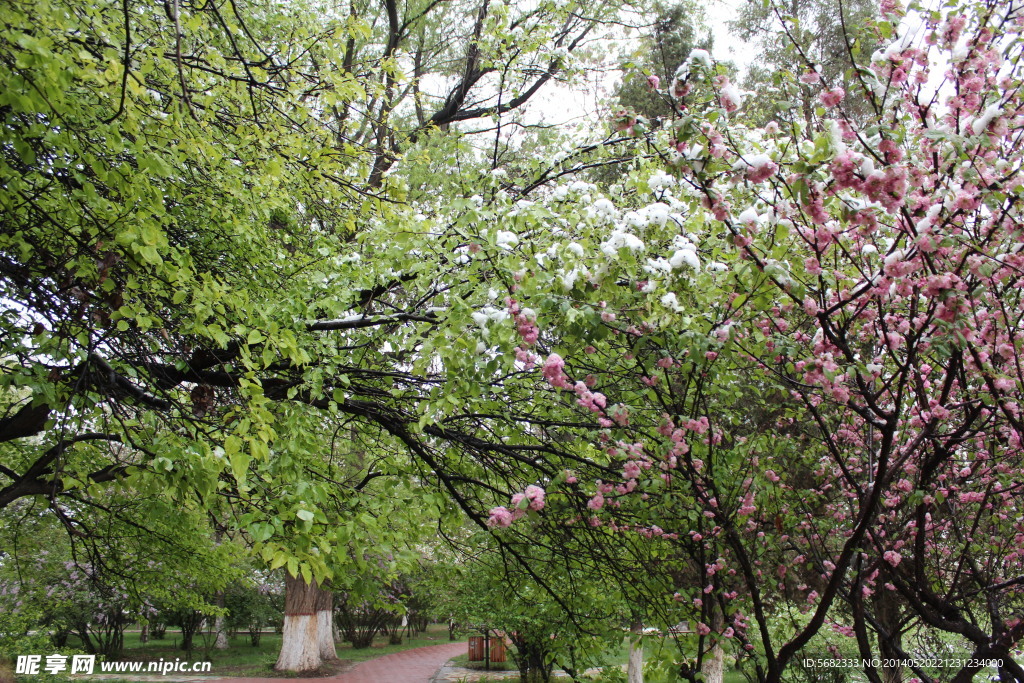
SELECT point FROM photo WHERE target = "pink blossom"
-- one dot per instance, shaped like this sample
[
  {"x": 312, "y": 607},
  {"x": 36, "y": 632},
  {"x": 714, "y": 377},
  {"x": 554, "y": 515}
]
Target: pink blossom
[
  {"x": 892, "y": 557},
  {"x": 653, "y": 82},
  {"x": 888, "y": 8},
  {"x": 831, "y": 98},
  {"x": 535, "y": 494},
  {"x": 552, "y": 370},
  {"x": 630, "y": 470},
  {"x": 728, "y": 94},
  {"x": 500, "y": 517}
]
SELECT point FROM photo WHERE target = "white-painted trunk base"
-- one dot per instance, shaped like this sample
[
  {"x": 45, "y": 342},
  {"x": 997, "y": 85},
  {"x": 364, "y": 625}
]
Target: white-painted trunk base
[
  {"x": 635, "y": 667},
  {"x": 300, "y": 644},
  {"x": 326, "y": 635},
  {"x": 220, "y": 626},
  {"x": 713, "y": 665}
]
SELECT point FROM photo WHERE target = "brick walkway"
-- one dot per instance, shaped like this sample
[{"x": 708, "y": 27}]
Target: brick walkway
[{"x": 410, "y": 666}]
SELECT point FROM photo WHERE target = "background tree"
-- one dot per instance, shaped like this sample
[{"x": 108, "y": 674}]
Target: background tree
[
  {"x": 835, "y": 38},
  {"x": 252, "y": 604},
  {"x": 674, "y": 31}
]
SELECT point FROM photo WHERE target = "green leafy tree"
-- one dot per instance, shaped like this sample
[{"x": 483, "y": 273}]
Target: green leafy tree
[
  {"x": 252, "y": 604},
  {"x": 674, "y": 31},
  {"x": 831, "y": 39}
]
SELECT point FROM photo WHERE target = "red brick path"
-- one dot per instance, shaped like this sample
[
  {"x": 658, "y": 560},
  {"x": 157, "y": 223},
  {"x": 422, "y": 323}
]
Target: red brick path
[{"x": 410, "y": 666}]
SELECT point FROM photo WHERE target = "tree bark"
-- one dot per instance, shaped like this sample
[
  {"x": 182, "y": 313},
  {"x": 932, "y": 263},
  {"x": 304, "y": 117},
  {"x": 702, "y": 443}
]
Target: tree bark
[
  {"x": 887, "y": 612},
  {"x": 300, "y": 642}
]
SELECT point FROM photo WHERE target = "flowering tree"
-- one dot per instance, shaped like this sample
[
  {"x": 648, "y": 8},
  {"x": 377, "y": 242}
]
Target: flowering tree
[
  {"x": 803, "y": 361},
  {"x": 782, "y": 362}
]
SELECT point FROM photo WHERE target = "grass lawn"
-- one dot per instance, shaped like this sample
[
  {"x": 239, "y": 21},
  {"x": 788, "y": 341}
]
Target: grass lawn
[{"x": 242, "y": 659}]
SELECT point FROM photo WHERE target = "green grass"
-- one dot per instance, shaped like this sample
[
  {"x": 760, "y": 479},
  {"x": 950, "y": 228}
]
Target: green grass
[{"x": 242, "y": 659}]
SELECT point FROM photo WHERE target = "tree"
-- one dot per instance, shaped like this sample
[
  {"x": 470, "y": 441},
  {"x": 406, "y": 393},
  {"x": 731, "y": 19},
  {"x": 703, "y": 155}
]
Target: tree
[
  {"x": 832, "y": 37},
  {"x": 487, "y": 589},
  {"x": 806, "y": 332},
  {"x": 669, "y": 39},
  {"x": 146, "y": 158},
  {"x": 252, "y": 604},
  {"x": 93, "y": 584},
  {"x": 854, "y": 295}
]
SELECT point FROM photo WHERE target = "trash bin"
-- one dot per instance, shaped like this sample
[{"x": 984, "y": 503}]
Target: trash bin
[
  {"x": 497, "y": 649},
  {"x": 476, "y": 648}
]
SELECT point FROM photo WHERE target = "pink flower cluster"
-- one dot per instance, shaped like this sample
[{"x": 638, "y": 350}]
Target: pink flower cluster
[
  {"x": 526, "y": 323},
  {"x": 761, "y": 172},
  {"x": 553, "y": 370},
  {"x": 502, "y": 517},
  {"x": 831, "y": 98}
]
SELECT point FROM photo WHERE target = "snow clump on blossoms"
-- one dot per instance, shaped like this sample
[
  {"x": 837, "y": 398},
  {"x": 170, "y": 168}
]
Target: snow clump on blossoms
[
  {"x": 671, "y": 301},
  {"x": 488, "y": 314},
  {"x": 618, "y": 240},
  {"x": 699, "y": 57},
  {"x": 756, "y": 167},
  {"x": 685, "y": 254},
  {"x": 657, "y": 214},
  {"x": 661, "y": 181},
  {"x": 602, "y": 208},
  {"x": 981, "y": 124},
  {"x": 506, "y": 239},
  {"x": 728, "y": 94}
]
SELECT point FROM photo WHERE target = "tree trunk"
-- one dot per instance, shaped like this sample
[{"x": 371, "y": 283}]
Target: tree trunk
[
  {"x": 887, "y": 612},
  {"x": 635, "y": 667},
  {"x": 713, "y": 664},
  {"x": 220, "y": 625},
  {"x": 300, "y": 644},
  {"x": 325, "y": 624}
]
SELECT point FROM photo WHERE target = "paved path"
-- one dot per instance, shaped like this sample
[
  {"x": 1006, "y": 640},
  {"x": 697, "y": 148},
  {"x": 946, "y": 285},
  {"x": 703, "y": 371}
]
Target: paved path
[{"x": 410, "y": 666}]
